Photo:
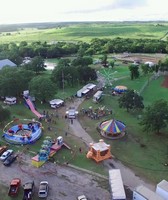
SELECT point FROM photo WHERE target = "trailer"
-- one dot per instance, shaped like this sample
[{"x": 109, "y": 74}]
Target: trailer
[
  {"x": 10, "y": 100},
  {"x": 162, "y": 189},
  {"x": 97, "y": 96},
  {"x": 56, "y": 103},
  {"x": 143, "y": 193},
  {"x": 116, "y": 185},
  {"x": 86, "y": 89}
]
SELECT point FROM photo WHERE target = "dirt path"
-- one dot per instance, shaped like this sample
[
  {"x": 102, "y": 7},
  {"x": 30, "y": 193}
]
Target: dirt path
[{"x": 129, "y": 177}]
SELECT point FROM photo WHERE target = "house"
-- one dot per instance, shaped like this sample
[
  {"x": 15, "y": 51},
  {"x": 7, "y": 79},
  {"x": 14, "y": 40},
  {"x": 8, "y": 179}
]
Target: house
[{"x": 6, "y": 62}]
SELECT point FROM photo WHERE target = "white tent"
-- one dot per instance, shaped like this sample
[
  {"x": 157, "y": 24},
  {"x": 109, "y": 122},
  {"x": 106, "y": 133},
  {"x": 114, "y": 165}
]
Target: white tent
[{"x": 151, "y": 64}]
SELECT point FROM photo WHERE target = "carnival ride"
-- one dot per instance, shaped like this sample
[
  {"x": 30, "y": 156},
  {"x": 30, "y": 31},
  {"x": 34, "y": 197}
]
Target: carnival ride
[
  {"x": 108, "y": 75},
  {"x": 48, "y": 149},
  {"x": 119, "y": 89},
  {"x": 32, "y": 107},
  {"x": 97, "y": 112},
  {"x": 22, "y": 133},
  {"x": 112, "y": 129},
  {"x": 99, "y": 151}
]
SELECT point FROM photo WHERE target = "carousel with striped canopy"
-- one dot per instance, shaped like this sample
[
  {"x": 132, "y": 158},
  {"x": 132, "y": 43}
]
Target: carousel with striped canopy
[{"x": 112, "y": 129}]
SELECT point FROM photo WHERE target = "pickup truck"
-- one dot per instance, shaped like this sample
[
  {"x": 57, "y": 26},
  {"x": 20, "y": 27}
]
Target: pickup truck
[
  {"x": 28, "y": 190},
  {"x": 14, "y": 187}
]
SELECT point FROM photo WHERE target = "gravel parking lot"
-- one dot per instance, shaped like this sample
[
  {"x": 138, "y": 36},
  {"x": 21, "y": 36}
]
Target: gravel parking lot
[{"x": 65, "y": 183}]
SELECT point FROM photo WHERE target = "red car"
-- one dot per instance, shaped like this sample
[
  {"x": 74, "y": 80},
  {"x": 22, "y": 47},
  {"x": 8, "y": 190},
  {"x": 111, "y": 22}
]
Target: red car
[{"x": 14, "y": 187}]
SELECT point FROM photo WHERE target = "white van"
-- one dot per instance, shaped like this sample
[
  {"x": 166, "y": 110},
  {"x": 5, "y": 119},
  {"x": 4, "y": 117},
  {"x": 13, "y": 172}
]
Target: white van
[
  {"x": 10, "y": 100},
  {"x": 56, "y": 103},
  {"x": 97, "y": 96}
]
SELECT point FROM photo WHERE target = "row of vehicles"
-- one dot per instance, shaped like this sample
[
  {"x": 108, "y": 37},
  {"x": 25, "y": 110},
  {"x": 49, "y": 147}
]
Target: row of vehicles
[
  {"x": 7, "y": 156},
  {"x": 28, "y": 188}
]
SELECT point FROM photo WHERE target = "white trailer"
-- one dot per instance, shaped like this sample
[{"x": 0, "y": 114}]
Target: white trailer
[
  {"x": 116, "y": 185},
  {"x": 143, "y": 193},
  {"x": 162, "y": 189},
  {"x": 97, "y": 96},
  {"x": 10, "y": 100},
  {"x": 85, "y": 90},
  {"x": 82, "y": 92},
  {"x": 56, "y": 103}
]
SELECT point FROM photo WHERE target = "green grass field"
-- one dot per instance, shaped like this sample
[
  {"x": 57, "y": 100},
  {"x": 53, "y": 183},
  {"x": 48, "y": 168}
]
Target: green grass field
[
  {"x": 145, "y": 153},
  {"x": 86, "y": 32}
]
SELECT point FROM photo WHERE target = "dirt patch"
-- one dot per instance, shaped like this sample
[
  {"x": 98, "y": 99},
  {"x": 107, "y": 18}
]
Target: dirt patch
[
  {"x": 165, "y": 82},
  {"x": 141, "y": 58}
]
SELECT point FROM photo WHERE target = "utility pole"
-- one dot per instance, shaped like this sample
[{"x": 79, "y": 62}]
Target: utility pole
[{"x": 63, "y": 81}]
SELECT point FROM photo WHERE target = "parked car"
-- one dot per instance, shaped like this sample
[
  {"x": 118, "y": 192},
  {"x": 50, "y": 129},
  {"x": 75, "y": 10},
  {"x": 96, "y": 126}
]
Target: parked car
[
  {"x": 6, "y": 154},
  {"x": 43, "y": 189},
  {"x": 10, "y": 160},
  {"x": 3, "y": 149},
  {"x": 14, "y": 187},
  {"x": 28, "y": 190},
  {"x": 82, "y": 197}
]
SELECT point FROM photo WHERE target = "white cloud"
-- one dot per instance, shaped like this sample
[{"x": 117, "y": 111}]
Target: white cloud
[{"x": 23, "y": 11}]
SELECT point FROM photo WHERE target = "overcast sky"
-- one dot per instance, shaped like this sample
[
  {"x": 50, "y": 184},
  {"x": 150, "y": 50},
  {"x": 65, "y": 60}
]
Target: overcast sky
[{"x": 25, "y": 11}]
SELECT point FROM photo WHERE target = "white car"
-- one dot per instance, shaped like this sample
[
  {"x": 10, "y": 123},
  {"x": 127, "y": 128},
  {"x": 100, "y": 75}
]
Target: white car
[
  {"x": 6, "y": 154},
  {"x": 82, "y": 197},
  {"x": 43, "y": 189}
]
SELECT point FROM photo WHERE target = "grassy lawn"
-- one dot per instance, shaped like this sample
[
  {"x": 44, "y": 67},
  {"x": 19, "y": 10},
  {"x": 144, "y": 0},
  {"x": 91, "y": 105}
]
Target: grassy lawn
[
  {"x": 145, "y": 153},
  {"x": 86, "y": 32}
]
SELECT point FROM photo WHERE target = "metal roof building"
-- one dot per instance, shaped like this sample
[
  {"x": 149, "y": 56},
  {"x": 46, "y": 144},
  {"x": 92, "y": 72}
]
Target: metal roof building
[{"x": 6, "y": 62}]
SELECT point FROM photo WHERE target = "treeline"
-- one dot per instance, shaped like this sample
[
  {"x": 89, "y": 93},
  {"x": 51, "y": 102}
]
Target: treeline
[{"x": 16, "y": 52}]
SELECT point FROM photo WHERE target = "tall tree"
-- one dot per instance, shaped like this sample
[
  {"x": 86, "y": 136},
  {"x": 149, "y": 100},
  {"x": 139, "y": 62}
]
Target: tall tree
[
  {"x": 13, "y": 81},
  {"x": 155, "y": 116},
  {"x": 4, "y": 114},
  {"x": 42, "y": 88},
  {"x": 131, "y": 100},
  {"x": 134, "y": 71},
  {"x": 37, "y": 64}
]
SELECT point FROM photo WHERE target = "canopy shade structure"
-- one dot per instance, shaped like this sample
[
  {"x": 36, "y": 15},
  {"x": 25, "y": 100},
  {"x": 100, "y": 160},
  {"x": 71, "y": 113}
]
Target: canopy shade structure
[
  {"x": 112, "y": 128},
  {"x": 120, "y": 88}
]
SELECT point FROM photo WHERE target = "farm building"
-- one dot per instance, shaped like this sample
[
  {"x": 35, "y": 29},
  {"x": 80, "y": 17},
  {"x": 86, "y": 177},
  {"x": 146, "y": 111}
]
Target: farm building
[{"x": 6, "y": 62}]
